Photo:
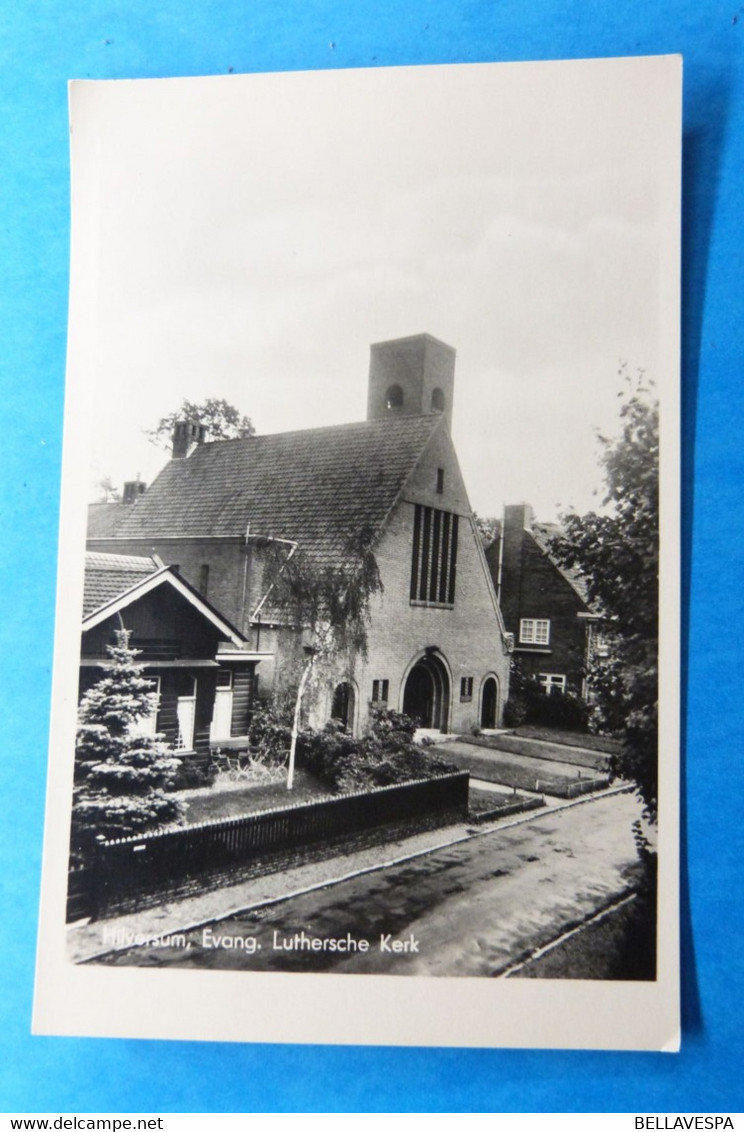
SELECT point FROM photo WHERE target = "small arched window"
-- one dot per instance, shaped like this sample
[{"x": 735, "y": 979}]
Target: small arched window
[
  {"x": 394, "y": 397},
  {"x": 343, "y": 705},
  {"x": 437, "y": 400}
]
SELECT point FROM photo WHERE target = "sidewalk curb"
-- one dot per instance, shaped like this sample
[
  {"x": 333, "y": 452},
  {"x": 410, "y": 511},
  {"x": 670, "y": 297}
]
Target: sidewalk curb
[{"x": 471, "y": 835}]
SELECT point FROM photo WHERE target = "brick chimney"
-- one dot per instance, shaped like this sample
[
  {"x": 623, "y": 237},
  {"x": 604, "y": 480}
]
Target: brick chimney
[
  {"x": 132, "y": 491},
  {"x": 186, "y": 436},
  {"x": 518, "y": 518}
]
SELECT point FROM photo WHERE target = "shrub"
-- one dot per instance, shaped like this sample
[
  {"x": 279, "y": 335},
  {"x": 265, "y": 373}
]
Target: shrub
[
  {"x": 324, "y": 753},
  {"x": 391, "y": 728},
  {"x": 559, "y": 709},
  {"x": 515, "y": 711},
  {"x": 528, "y": 703},
  {"x": 269, "y": 736},
  {"x": 385, "y": 755},
  {"x": 193, "y": 776}
]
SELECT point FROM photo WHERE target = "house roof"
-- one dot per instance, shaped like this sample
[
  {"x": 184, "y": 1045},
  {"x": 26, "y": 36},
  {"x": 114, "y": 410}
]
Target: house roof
[
  {"x": 107, "y": 576},
  {"x": 543, "y": 533},
  {"x": 319, "y": 487},
  {"x": 104, "y": 518},
  {"x": 114, "y": 581}
]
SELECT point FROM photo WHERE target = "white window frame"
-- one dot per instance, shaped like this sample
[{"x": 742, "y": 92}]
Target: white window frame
[
  {"x": 186, "y": 717},
  {"x": 551, "y": 680},
  {"x": 147, "y": 725},
  {"x": 221, "y": 726},
  {"x": 534, "y": 631}
]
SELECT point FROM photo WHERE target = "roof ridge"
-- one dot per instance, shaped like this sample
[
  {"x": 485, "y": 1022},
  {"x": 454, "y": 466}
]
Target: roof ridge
[
  {"x": 344, "y": 425},
  {"x": 315, "y": 486}
]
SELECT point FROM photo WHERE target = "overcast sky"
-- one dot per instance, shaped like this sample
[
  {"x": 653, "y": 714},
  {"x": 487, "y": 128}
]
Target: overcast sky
[{"x": 254, "y": 234}]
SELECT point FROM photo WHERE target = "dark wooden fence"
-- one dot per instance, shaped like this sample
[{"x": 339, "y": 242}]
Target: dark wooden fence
[{"x": 121, "y": 871}]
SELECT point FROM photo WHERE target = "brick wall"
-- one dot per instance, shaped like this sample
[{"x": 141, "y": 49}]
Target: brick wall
[
  {"x": 467, "y": 638},
  {"x": 532, "y": 587},
  {"x": 230, "y": 568}
]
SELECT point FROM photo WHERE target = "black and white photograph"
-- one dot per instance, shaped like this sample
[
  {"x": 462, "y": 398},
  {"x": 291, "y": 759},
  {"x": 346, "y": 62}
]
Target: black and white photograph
[{"x": 365, "y": 703}]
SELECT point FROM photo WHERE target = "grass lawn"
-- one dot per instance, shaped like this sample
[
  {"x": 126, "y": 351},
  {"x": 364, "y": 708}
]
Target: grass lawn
[
  {"x": 520, "y": 774},
  {"x": 621, "y": 945},
  {"x": 569, "y": 738},
  {"x": 223, "y": 801},
  {"x": 544, "y": 749},
  {"x": 487, "y": 803}
]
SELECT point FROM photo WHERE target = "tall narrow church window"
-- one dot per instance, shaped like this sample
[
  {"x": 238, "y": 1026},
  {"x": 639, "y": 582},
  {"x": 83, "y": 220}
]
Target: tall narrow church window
[
  {"x": 440, "y": 480},
  {"x": 434, "y": 556}
]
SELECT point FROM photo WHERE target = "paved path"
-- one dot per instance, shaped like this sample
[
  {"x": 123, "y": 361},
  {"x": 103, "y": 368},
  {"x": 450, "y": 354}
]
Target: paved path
[{"x": 472, "y": 907}]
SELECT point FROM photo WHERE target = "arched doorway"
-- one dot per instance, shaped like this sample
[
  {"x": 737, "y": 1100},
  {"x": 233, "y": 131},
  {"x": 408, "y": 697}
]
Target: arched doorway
[
  {"x": 342, "y": 708},
  {"x": 426, "y": 693},
  {"x": 489, "y": 702}
]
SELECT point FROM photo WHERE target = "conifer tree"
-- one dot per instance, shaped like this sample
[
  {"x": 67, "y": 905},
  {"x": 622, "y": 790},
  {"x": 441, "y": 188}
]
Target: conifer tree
[{"x": 120, "y": 775}]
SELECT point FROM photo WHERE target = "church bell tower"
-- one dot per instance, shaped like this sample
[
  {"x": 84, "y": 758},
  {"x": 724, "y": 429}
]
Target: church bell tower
[{"x": 411, "y": 377}]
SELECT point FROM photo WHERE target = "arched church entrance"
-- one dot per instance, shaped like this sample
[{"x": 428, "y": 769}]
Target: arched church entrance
[
  {"x": 426, "y": 694},
  {"x": 489, "y": 702}
]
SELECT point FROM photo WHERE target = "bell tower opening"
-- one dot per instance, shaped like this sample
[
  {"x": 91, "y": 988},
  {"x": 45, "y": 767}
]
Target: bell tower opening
[
  {"x": 411, "y": 377},
  {"x": 394, "y": 398}
]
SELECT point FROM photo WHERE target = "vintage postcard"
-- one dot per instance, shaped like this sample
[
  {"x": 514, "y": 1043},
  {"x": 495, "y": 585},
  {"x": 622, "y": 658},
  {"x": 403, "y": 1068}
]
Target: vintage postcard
[{"x": 365, "y": 709}]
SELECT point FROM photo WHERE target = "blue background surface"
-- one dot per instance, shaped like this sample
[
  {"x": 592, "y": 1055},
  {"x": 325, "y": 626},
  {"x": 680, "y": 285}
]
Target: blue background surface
[{"x": 41, "y": 47}]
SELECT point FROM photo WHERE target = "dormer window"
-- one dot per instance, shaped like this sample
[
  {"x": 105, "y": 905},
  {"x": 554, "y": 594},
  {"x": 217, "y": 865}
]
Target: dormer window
[
  {"x": 394, "y": 397},
  {"x": 437, "y": 401}
]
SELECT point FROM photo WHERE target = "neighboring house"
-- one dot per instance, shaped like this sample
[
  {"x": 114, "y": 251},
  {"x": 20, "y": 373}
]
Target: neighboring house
[
  {"x": 544, "y": 605},
  {"x": 436, "y": 642},
  {"x": 179, "y": 636},
  {"x": 104, "y": 517}
]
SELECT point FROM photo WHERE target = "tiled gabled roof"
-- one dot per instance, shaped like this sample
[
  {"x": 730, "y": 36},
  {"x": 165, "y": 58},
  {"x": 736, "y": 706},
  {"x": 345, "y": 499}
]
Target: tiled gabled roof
[
  {"x": 543, "y": 534},
  {"x": 104, "y": 518},
  {"x": 109, "y": 575},
  {"x": 320, "y": 487}
]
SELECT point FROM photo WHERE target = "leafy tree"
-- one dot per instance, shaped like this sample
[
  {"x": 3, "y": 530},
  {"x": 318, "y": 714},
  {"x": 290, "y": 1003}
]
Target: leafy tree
[
  {"x": 618, "y": 554},
  {"x": 487, "y": 528},
  {"x": 108, "y": 492},
  {"x": 222, "y": 420},
  {"x": 329, "y": 602},
  {"x": 120, "y": 775}
]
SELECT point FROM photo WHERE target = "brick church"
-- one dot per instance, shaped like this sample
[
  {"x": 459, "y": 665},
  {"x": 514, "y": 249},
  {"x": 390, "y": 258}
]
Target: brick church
[{"x": 437, "y": 648}]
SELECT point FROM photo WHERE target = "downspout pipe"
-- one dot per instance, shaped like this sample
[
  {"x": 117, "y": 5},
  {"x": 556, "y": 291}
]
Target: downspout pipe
[{"x": 267, "y": 538}]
